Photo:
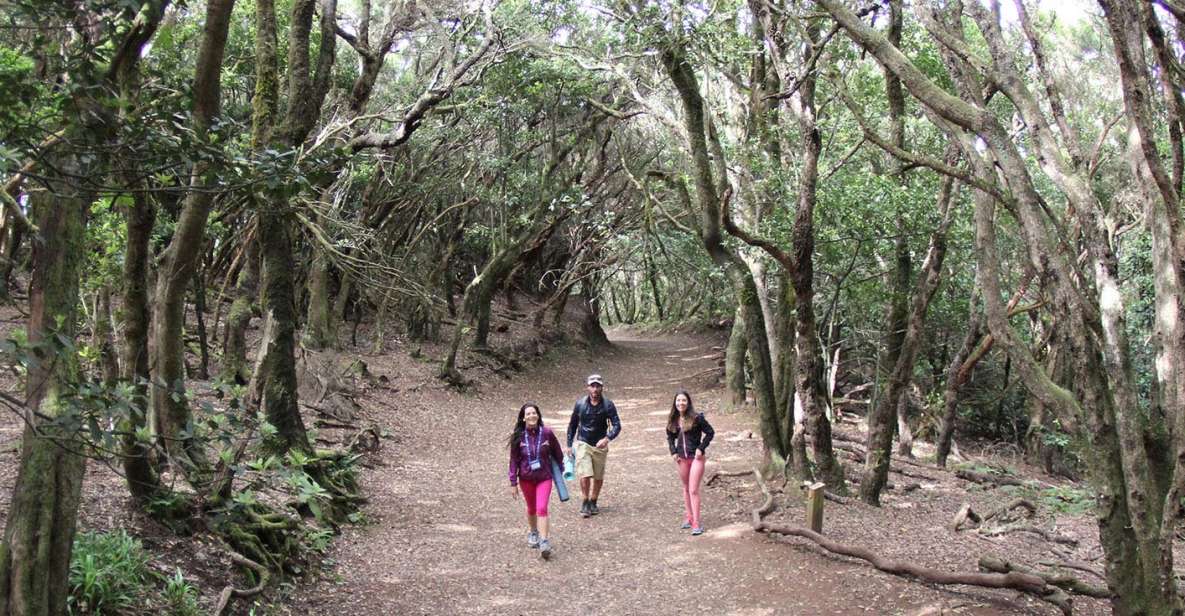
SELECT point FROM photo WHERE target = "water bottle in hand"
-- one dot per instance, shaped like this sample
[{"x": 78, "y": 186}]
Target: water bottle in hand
[{"x": 569, "y": 467}]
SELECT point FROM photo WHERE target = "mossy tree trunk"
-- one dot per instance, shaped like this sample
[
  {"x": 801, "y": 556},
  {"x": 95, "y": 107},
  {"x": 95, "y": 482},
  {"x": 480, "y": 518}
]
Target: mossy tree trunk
[
  {"x": 274, "y": 383},
  {"x": 264, "y": 104},
  {"x": 794, "y": 426},
  {"x": 39, "y": 533},
  {"x": 882, "y": 413},
  {"x": 275, "y": 372}
]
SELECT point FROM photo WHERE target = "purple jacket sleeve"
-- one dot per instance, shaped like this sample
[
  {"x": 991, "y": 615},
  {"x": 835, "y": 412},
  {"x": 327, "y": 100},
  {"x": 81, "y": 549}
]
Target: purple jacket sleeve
[{"x": 513, "y": 473}]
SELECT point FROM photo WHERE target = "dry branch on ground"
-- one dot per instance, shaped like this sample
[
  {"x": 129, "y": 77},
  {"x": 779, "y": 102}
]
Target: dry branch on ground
[{"x": 1033, "y": 584}]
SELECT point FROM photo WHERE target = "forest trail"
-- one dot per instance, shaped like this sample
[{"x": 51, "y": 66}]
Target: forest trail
[{"x": 444, "y": 535}]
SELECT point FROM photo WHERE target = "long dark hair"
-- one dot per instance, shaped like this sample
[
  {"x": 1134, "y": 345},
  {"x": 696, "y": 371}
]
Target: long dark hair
[
  {"x": 520, "y": 425},
  {"x": 673, "y": 418}
]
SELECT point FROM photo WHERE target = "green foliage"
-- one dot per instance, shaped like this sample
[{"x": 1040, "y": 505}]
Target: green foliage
[
  {"x": 106, "y": 243},
  {"x": 1067, "y": 500},
  {"x": 108, "y": 573},
  {"x": 179, "y": 596}
]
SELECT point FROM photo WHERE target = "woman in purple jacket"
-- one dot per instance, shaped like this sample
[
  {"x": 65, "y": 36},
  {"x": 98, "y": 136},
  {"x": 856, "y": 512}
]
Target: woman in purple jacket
[
  {"x": 532, "y": 448},
  {"x": 688, "y": 436}
]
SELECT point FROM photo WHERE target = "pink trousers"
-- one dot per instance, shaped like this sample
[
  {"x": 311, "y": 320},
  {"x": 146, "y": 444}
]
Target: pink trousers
[
  {"x": 537, "y": 495},
  {"x": 692, "y": 473}
]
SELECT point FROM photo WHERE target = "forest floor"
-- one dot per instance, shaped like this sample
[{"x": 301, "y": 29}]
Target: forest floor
[{"x": 445, "y": 536}]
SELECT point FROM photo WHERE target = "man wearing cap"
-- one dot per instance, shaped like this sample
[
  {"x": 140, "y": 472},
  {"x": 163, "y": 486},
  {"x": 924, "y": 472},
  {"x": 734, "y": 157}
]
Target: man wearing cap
[{"x": 593, "y": 424}]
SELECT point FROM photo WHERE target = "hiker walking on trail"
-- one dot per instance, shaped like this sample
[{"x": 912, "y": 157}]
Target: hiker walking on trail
[
  {"x": 688, "y": 436},
  {"x": 532, "y": 450},
  {"x": 593, "y": 424}
]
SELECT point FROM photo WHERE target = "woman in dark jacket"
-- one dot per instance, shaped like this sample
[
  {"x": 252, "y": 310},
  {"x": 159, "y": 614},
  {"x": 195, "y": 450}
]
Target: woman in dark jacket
[
  {"x": 532, "y": 448},
  {"x": 688, "y": 436}
]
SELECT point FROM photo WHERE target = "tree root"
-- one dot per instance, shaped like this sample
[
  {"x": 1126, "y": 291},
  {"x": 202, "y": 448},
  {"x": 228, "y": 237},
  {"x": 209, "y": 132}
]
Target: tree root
[
  {"x": 998, "y": 480},
  {"x": 1061, "y": 580},
  {"x": 723, "y": 473},
  {"x": 1069, "y": 564},
  {"x": 230, "y": 591},
  {"x": 966, "y": 514},
  {"x": 1047, "y": 535},
  {"x": 258, "y": 533},
  {"x": 1009, "y": 506},
  {"x": 1029, "y": 583}
]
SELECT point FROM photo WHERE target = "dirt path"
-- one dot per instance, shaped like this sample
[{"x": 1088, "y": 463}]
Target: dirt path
[{"x": 445, "y": 536}]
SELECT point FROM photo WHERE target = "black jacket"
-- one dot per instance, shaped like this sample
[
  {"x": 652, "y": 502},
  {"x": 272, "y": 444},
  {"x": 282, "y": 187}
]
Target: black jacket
[
  {"x": 686, "y": 442},
  {"x": 593, "y": 423}
]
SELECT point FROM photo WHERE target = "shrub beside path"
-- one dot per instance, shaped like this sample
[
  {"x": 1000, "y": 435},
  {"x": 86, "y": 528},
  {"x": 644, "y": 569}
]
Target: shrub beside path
[{"x": 444, "y": 535}]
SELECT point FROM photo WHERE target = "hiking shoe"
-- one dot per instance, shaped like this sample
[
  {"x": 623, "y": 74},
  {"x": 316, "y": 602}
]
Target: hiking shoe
[
  {"x": 592, "y": 508},
  {"x": 545, "y": 549},
  {"x": 584, "y": 510},
  {"x": 532, "y": 539},
  {"x": 685, "y": 525},
  {"x": 697, "y": 530}
]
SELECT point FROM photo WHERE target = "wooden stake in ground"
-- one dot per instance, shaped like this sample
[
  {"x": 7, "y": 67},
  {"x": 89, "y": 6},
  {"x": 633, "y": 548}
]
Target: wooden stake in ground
[{"x": 814, "y": 505}]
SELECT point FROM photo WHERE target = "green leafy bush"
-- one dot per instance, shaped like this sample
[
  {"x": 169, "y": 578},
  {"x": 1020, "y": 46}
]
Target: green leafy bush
[{"x": 108, "y": 572}]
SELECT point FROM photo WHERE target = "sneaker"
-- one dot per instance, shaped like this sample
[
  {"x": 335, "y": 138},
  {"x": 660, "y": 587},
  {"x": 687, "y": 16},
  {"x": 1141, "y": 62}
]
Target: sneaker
[
  {"x": 686, "y": 525},
  {"x": 592, "y": 508},
  {"x": 584, "y": 510},
  {"x": 697, "y": 530},
  {"x": 545, "y": 549},
  {"x": 532, "y": 539}
]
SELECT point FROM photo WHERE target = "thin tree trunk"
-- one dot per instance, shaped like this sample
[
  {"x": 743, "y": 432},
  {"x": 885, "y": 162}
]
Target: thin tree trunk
[
  {"x": 734, "y": 361},
  {"x": 794, "y": 427},
  {"x": 169, "y": 401},
  {"x": 108, "y": 356},
  {"x": 199, "y": 310},
  {"x": 954, "y": 384},
  {"x": 137, "y": 462},
  {"x": 234, "y": 359},
  {"x": 319, "y": 326}
]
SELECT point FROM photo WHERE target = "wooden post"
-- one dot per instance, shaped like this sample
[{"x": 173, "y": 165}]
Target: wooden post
[{"x": 814, "y": 506}]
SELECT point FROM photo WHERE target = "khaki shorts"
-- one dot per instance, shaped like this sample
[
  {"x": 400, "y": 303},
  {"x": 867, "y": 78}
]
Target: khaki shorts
[{"x": 590, "y": 461}]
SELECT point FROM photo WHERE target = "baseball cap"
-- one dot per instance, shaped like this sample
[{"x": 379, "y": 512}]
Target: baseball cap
[{"x": 594, "y": 378}]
